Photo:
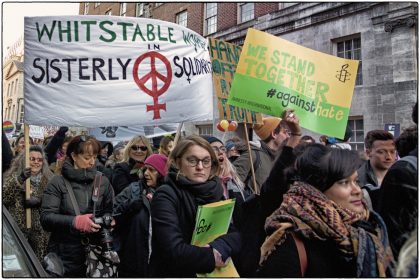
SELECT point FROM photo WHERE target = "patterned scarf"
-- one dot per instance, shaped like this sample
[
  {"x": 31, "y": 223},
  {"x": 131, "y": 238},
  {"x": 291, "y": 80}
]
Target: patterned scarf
[
  {"x": 36, "y": 180},
  {"x": 312, "y": 215}
]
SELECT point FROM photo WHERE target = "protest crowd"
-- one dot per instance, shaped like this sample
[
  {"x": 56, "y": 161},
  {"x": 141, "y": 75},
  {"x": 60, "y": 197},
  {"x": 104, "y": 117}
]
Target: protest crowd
[
  {"x": 286, "y": 205},
  {"x": 315, "y": 209}
]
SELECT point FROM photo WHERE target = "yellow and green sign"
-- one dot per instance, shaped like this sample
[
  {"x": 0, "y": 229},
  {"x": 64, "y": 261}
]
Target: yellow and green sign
[{"x": 274, "y": 74}]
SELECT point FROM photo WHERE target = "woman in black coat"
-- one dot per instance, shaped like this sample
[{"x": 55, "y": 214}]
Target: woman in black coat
[
  {"x": 174, "y": 209},
  {"x": 58, "y": 215},
  {"x": 133, "y": 231},
  {"x": 325, "y": 210},
  {"x": 130, "y": 169}
]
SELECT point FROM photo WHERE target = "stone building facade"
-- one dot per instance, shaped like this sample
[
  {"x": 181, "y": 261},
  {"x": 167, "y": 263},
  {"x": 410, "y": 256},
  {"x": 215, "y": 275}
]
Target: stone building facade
[{"x": 382, "y": 35}]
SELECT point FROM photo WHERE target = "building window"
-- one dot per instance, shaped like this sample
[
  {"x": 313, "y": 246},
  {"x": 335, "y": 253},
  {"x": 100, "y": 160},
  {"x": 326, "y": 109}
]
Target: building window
[
  {"x": 210, "y": 18},
  {"x": 5, "y": 114},
  {"x": 109, "y": 12},
  {"x": 86, "y": 10},
  {"x": 21, "y": 114},
  {"x": 351, "y": 49},
  {"x": 139, "y": 9},
  {"x": 123, "y": 9},
  {"x": 11, "y": 88},
  {"x": 206, "y": 129},
  {"x": 182, "y": 18},
  {"x": 13, "y": 110},
  {"x": 246, "y": 12},
  {"x": 357, "y": 140},
  {"x": 8, "y": 90},
  {"x": 16, "y": 87},
  {"x": 97, "y": 4}
]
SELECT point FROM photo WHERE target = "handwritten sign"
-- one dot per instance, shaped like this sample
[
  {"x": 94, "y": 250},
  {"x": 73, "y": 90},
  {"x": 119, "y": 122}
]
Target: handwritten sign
[
  {"x": 95, "y": 71},
  {"x": 224, "y": 58}
]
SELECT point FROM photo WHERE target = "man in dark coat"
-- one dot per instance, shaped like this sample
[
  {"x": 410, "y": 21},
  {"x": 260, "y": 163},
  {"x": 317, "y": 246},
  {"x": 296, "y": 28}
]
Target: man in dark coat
[
  {"x": 380, "y": 149},
  {"x": 398, "y": 204}
]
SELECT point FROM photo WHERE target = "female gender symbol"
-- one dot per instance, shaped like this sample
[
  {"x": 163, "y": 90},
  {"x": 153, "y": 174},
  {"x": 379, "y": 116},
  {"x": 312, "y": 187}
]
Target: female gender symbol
[{"x": 154, "y": 75}]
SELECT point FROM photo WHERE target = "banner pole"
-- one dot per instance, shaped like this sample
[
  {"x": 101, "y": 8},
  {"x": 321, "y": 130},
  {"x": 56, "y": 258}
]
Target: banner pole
[
  {"x": 27, "y": 182},
  {"x": 250, "y": 159},
  {"x": 178, "y": 133}
]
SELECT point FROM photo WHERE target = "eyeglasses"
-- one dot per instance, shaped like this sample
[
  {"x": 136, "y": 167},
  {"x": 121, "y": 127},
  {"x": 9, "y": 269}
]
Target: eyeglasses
[
  {"x": 219, "y": 149},
  {"x": 36, "y": 159},
  {"x": 137, "y": 148},
  {"x": 193, "y": 162}
]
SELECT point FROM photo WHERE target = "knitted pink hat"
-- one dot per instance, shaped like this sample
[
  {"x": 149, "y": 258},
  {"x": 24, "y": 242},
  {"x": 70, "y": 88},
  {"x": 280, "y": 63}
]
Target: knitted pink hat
[{"x": 158, "y": 162}]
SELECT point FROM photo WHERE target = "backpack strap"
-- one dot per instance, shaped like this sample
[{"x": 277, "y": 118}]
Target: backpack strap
[
  {"x": 303, "y": 259},
  {"x": 72, "y": 196}
]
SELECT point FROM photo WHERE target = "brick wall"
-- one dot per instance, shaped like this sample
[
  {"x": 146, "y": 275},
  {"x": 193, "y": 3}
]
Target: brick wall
[
  {"x": 226, "y": 15},
  {"x": 265, "y": 8},
  {"x": 168, "y": 12}
]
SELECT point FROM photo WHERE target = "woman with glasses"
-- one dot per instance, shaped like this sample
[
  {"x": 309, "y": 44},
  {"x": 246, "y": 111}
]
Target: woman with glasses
[
  {"x": 130, "y": 169},
  {"x": 132, "y": 213},
  {"x": 14, "y": 195},
  {"x": 174, "y": 210},
  {"x": 71, "y": 231},
  {"x": 232, "y": 185}
]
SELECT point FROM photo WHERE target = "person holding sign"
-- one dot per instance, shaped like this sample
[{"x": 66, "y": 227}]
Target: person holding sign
[
  {"x": 272, "y": 133},
  {"x": 174, "y": 210},
  {"x": 14, "y": 195},
  {"x": 323, "y": 227}
]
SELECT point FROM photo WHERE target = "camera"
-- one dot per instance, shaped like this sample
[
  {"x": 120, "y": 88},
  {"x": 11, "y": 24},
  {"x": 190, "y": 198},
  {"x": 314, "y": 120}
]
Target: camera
[{"x": 106, "y": 237}]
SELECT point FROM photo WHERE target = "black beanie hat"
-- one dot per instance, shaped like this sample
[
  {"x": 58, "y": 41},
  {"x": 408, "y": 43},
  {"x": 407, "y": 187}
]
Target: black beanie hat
[{"x": 211, "y": 139}]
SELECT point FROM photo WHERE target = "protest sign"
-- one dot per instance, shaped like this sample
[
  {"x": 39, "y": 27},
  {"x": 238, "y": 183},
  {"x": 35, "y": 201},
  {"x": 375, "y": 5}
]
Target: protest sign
[
  {"x": 224, "y": 58},
  {"x": 273, "y": 74},
  {"x": 36, "y": 132},
  {"x": 212, "y": 221},
  {"x": 122, "y": 133},
  {"x": 93, "y": 71},
  {"x": 9, "y": 128}
]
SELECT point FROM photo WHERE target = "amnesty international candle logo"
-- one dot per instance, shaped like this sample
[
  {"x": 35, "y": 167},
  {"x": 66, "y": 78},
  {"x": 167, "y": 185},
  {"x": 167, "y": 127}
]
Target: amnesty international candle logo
[
  {"x": 343, "y": 74},
  {"x": 274, "y": 74}
]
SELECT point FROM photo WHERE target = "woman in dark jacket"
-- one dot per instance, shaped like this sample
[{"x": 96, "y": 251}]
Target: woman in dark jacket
[
  {"x": 174, "y": 209},
  {"x": 326, "y": 211},
  {"x": 129, "y": 170},
  {"x": 58, "y": 215},
  {"x": 133, "y": 219}
]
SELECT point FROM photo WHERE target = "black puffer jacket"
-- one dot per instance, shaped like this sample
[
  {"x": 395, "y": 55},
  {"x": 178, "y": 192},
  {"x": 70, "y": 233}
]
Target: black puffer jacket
[
  {"x": 133, "y": 230},
  {"x": 57, "y": 214},
  {"x": 174, "y": 210}
]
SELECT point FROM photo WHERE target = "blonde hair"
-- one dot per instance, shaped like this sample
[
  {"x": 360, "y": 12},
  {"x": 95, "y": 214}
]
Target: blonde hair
[
  {"x": 228, "y": 169},
  {"x": 183, "y": 146},
  {"x": 131, "y": 143}
]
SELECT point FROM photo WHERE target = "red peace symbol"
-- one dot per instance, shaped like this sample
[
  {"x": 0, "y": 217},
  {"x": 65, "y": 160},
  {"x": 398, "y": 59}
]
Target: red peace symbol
[{"x": 154, "y": 75}]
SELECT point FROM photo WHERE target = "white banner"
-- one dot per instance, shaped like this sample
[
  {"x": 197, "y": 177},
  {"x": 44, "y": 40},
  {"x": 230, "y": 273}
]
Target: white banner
[
  {"x": 94, "y": 71},
  {"x": 122, "y": 133}
]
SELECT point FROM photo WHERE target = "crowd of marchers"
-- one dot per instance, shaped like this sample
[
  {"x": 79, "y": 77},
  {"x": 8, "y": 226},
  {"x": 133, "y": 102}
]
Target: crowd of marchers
[{"x": 303, "y": 208}]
